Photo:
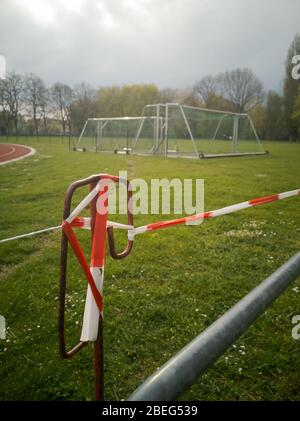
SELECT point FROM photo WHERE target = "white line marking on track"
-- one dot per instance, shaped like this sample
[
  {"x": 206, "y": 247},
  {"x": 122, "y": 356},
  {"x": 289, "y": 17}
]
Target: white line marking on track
[
  {"x": 32, "y": 151},
  {"x": 8, "y": 153}
]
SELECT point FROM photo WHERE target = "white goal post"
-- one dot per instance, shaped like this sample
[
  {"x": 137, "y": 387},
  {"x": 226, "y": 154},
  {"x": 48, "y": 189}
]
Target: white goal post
[
  {"x": 201, "y": 132},
  {"x": 171, "y": 130},
  {"x": 118, "y": 134}
]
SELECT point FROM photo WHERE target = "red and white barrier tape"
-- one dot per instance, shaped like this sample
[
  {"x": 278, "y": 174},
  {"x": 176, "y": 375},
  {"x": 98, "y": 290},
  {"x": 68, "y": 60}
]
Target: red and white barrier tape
[
  {"x": 95, "y": 274},
  {"x": 95, "y": 271},
  {"x": 30, "y": 234},
  {"x": 212, "y": 214},
  {"x": 84, "y": 223}
]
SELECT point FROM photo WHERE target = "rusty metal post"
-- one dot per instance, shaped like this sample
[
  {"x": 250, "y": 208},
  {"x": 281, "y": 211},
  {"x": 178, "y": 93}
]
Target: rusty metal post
[
  {"x": 98, "y": 344},
  {"x": 99, "y": 363}
]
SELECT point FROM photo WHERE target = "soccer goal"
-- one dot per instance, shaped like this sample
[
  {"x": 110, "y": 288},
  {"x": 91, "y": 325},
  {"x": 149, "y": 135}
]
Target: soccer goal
[
  {"x": 118, "y": 134},
  {"x": 187, "y": 131},
  {"x": 173, "y": 130}
]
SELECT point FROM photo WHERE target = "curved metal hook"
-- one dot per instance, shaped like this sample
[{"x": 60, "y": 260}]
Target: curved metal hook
[
  {"x": 110, "y": 230},
  {"x": 63, "y": 269},
  {"x": 91, "y": 181}
]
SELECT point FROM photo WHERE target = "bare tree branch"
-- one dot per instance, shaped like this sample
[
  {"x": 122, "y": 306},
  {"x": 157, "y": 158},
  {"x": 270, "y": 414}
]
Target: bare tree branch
[
  {"x": 62, "y": 97},
  {"x": 243, "y": 88},
  {"x": 12, "y": 97},
  {"x": 34, "y": 96}
]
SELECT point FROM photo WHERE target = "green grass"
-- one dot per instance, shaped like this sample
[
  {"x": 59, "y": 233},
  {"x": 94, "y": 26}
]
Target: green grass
[{"x": 172, "y": 286}]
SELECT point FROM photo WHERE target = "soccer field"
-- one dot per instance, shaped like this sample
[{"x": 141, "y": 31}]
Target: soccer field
[{"x": 173, "y": 285}]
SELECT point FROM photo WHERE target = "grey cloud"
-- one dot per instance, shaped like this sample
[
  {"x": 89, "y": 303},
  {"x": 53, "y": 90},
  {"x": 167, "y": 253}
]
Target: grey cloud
[{"x": 168, "y": 42}]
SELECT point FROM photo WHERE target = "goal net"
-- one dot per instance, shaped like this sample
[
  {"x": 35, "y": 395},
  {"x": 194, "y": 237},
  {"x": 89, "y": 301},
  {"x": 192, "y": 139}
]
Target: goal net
[
  {"x": 192, "y": 131},
  {"x": 118, "y": 134},
  {"x": 173, "y": 130}
]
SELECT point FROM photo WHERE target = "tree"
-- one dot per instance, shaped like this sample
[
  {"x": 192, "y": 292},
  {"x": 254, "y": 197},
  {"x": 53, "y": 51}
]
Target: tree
[
  {"x": 127, "y": 100},
  {"x": 45, "y": 106},
  {"x": 275, "y": 126},
  {"x": 206, "y": 90},
  {"x": 291, "y": 86},
  {"x": 296, "y": 111},
  {"x": 62, "y": 96},
  {"x": 4, "y": 107},
  {"x": 186, "y": 96},
  {"x": 83, "y": 106},
  {"x": 35, "y": 96},
  {"x": 109, "y": 101},
  {"x": 169, "y": 95},
  {"x": 258, "y": 116},
  {"x": 242, "y": 88},
  {"x": 135, "y": 97},
  {"x": 12, "y": 90}
]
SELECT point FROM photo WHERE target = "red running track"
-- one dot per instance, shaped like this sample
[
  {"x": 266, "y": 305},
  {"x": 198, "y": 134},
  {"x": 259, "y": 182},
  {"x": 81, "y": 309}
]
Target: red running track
[{"x": 11, "y": 152}]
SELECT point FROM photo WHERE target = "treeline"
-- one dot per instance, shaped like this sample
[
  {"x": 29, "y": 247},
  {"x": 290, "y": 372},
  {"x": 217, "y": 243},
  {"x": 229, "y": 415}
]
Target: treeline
[{"x": 28, "y": 106}]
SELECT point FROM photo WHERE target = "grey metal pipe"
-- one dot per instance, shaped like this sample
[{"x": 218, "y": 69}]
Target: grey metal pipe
[{"x": 182, "y": 370}]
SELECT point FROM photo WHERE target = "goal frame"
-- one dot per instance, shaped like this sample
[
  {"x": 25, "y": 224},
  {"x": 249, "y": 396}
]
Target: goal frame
[
  {"x": 101, "y": 122},
  {"x": 164, "y": 136},
  {"x": 161, "y": 132}
]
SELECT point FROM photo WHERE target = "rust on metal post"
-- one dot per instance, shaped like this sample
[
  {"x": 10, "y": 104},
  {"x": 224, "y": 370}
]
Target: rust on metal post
[
  {"x": 98, "y": 344},
  {"x": 99, "y": 363},
  {"x": 110, "y": 230},
  {"x": 63, "y": 269}
]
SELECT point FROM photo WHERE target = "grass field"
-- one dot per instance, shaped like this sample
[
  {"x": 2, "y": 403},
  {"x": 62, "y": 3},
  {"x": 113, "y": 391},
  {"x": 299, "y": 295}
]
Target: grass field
[
  {"x": 172, "y": 286},
  {"x": 182, "y": 146}
]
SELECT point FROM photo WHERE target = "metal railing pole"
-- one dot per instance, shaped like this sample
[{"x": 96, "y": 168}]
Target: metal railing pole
[{"x": 182, "y": 370}]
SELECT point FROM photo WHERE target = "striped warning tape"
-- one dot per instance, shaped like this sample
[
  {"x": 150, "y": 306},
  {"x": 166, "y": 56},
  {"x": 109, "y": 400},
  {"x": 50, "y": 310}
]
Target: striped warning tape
[
  {"x": 30, "y": 234},
  {"x": 84, "y": 223},
  {"x": 212, "y": 214}
]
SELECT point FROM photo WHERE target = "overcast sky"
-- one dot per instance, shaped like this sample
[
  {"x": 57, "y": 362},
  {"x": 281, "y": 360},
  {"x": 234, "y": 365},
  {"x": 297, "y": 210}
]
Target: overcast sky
[{"x": 171, "y": 43}]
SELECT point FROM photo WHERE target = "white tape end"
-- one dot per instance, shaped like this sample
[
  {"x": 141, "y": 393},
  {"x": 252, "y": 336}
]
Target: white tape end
[
  {"x": 131, "y": 235},
  {"x": 91, "y": 312}
]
